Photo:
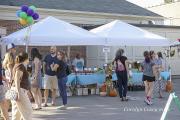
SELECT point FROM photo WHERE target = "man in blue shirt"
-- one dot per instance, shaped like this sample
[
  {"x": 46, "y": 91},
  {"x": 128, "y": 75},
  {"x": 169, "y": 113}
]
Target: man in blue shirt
[{"x": 50, "y": 81}]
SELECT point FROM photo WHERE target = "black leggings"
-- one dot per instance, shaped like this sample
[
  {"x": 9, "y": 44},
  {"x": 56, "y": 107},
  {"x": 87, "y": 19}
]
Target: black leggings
[{"x": 122, "y": 83}]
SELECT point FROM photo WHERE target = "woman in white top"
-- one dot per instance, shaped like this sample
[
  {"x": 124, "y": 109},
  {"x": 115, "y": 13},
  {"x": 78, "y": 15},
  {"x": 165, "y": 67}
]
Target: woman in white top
[{"x": 8, "y": 64}]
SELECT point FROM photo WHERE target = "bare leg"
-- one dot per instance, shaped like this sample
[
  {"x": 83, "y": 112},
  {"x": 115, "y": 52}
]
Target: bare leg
[
  {"x": 35, "y": 96},
  {"x": 8, "y": 102},
  {"x": 160, "y": 87},
  {"x": 53, "y": 96},
  {"x": 39, "y": 98},
  {"x": 151, "y": 86},
  {"x": 146, "y": 87},
  {"x": 46, "y": 93},
  {"x": 4, "y": 110}
]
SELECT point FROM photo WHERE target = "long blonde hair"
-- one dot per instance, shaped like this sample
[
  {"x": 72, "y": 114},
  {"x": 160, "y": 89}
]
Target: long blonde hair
[{"x": 8, "y": 61}]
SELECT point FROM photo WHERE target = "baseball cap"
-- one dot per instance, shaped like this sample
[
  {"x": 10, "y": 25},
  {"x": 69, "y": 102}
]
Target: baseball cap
[{"x": 10, "y": 46}]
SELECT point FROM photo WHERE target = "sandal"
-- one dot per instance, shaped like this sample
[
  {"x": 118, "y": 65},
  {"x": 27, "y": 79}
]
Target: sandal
[{"x": 53, "y": 104}]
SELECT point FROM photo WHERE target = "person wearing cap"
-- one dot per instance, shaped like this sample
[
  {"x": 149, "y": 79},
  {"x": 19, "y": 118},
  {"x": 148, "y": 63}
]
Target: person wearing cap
[
  {"x": 11, "y": 48},
  {"x": 8, "y": 62}
]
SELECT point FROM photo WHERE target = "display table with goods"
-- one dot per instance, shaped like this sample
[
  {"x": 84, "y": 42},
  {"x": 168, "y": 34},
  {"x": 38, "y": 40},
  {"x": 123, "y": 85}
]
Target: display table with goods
[
  {"x": 99, "y": 78},
  {"x": 90, "y": 82}
]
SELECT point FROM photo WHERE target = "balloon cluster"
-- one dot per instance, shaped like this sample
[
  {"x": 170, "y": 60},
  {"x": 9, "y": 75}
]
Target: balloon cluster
[{"x": 27, "y": 15}]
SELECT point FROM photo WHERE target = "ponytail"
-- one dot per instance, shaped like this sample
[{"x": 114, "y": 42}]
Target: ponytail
[
  {"x": 21, "y": 57},
  {"x": 147, "y": 56}
]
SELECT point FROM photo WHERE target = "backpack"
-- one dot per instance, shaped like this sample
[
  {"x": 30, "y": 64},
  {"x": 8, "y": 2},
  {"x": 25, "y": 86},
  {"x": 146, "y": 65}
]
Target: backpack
[{"x": 120, "y": 66}]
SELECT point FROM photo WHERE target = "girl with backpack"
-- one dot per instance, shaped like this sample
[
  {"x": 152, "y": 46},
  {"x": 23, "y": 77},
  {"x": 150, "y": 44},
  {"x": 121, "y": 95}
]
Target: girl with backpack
[{"x": 122, "y": 71}]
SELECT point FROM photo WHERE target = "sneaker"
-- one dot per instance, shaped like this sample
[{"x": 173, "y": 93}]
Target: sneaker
[
  {"x": 147, "y": 101},
  {"x": 45, "y": 105},
  {"x": 150, "y": 102},
  {"x": 63, "y": 107},
  {"x": 124, "y": 99}
]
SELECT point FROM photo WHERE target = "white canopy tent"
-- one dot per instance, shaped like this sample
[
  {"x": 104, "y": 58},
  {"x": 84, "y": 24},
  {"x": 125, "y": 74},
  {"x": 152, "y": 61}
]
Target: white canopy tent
[
  {"x": 176, "y": 43},
  {"x": 118, "y": 33},
  {"x": 52, "y": 31}
]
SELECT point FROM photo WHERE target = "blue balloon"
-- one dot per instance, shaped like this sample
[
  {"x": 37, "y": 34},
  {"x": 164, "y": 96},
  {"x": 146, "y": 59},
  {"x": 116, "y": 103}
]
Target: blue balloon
[{"x": 18, "y": 13}]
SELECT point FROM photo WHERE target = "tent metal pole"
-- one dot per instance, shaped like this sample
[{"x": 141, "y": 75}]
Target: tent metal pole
[
  {"x": 133, "y": 49},
  {"x": 170, "y": 71},
  {"x": 106, "y": 57},
  {"x": 125, "y": 50},
  {"x": 26, "y": 47},
  {"x": 68, "y": 53},
  {"x": 3, "y": 49},
  {"x": 27, "y": 37}
]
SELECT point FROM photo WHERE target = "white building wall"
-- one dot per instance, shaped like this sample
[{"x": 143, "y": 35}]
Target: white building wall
[{"x": 169, "y": 11}]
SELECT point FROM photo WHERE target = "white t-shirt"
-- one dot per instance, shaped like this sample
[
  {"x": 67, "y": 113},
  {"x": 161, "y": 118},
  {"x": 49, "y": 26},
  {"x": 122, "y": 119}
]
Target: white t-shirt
[{"x": 78, "y": 63}]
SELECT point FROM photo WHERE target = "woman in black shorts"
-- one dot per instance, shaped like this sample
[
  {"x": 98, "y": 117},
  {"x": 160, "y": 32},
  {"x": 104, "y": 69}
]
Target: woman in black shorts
[{"x": 148, "y": 77}]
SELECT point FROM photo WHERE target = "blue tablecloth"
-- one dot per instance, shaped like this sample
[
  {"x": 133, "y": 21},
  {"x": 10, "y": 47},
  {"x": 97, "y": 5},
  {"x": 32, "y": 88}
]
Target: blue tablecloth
[
  {"x": 137, "y": 77},
  {"x": 71, "y": 78},
  {"x": 90, "y": 79},
  {"x": 165, "y": 75},
  {"x": 135, "y": 80},
  {"x": 100, "y": 78}
]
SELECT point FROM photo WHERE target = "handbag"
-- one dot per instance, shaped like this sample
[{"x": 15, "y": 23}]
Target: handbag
[
  {"x": 112, "y": 92},
  {"x": 169, "y": 86},
  {"x": 11, "y": 95}
]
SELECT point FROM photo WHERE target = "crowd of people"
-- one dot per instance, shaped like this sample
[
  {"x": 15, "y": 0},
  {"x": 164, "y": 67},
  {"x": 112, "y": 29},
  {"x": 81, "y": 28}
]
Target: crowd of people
[
  {"x": 151, "y": 66},
  {"x": 16, "y": 77}
]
